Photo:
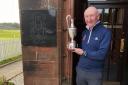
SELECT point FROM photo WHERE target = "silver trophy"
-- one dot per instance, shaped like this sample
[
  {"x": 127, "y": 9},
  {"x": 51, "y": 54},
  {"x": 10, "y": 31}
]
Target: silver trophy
[{"x": 72, "y": 32}]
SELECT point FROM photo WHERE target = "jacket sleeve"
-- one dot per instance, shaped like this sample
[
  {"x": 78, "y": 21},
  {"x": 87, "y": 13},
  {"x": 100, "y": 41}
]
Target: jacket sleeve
[{"x": 103, "y": 49}]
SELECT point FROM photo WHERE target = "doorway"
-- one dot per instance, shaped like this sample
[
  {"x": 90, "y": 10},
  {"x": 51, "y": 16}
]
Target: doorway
[{"x": 114, "y": 16}]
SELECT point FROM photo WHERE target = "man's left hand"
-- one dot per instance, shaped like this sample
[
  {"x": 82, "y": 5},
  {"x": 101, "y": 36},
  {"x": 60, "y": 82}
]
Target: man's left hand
[{"x": 79, "y": 51}]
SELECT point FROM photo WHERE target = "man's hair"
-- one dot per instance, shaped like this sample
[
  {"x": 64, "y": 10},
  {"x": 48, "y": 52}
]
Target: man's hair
[{"x": 97, "y": 12}]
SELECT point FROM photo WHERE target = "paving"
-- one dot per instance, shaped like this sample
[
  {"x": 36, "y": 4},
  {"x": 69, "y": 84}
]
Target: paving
[
  {"x": 14, "y": 72},
  {"x": 11, "y": 70},
  {"x": 18, "y": 80}
]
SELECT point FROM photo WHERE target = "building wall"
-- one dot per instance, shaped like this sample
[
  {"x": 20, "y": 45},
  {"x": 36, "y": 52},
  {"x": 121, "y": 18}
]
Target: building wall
[{"x": 39, "y": 25}]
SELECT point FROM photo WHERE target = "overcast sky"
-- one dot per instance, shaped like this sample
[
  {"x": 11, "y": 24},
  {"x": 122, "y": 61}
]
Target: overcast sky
[{"x": 9, "y": 11}]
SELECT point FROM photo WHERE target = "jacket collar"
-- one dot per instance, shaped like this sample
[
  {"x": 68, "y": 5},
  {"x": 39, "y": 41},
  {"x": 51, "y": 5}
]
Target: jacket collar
[{"x": 97, "y": 23}]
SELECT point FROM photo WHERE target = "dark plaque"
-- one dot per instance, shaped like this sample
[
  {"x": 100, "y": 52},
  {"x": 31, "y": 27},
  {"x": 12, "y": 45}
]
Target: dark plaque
[{"x": 38, "y": 28}]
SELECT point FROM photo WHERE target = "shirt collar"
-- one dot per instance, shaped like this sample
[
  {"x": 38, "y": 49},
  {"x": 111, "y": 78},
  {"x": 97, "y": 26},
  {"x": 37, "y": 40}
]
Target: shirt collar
[{"x": 93, "y": 26}]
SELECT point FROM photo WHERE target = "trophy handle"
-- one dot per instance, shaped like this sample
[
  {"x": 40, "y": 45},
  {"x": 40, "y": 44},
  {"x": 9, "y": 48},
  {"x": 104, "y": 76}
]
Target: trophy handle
[{"x": 68, "y": 17}]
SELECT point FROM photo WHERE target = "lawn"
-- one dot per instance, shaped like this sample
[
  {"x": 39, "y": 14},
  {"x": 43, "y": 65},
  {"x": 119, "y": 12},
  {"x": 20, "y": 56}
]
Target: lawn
[{"x": 9, "y": 34}]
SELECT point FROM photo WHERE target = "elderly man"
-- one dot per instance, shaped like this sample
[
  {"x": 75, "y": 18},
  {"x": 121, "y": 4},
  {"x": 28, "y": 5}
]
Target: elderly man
[{"x": 95, "y": 44}]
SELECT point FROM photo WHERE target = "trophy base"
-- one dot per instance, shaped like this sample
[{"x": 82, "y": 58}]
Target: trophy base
[{"x": 71, "y": 45}]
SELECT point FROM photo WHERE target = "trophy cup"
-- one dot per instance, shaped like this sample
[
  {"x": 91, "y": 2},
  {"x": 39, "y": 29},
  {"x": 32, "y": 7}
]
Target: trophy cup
[{"x": 71, "y": 31}]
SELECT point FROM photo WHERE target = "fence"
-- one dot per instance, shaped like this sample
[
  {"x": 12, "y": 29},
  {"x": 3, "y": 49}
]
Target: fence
[{"x": 9, "y": 48}]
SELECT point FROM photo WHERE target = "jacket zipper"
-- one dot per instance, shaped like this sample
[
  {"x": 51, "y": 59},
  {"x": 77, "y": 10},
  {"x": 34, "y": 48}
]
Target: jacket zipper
[{"x": 89, "y": 37}]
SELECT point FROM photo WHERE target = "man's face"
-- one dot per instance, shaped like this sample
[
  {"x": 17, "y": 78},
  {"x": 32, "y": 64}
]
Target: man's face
[{"x": 91, "y": 16}]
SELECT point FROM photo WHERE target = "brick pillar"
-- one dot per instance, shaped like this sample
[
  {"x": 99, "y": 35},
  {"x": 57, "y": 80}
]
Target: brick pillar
[{"x": 39, "y": 41}]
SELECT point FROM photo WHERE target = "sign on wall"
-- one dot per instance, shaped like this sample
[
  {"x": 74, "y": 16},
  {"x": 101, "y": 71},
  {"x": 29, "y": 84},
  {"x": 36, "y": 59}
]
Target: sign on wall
[{"x": 38, "y": 28}]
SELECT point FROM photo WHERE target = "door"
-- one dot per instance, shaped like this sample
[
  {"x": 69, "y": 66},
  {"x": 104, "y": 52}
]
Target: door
[{"x": 114, "y": 16}]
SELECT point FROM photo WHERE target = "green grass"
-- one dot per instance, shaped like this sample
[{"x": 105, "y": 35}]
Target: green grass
[
  {"x": 7, "y": 83},
  {"x": 3, "y": 62},
  {"x": 5, "y": 34},
  {"x": 3, "y": 81}
]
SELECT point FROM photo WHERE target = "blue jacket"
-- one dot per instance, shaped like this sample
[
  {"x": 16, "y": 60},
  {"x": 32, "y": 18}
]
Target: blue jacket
[{"x": 96, "y": 43}]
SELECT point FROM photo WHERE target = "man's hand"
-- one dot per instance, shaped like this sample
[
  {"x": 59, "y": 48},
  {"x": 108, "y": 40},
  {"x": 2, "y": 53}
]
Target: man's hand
[{"x": 78, "y": 51}]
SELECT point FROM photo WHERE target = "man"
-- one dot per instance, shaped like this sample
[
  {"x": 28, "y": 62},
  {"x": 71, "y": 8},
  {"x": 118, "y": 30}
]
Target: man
[{"x": 95, "y": 45}]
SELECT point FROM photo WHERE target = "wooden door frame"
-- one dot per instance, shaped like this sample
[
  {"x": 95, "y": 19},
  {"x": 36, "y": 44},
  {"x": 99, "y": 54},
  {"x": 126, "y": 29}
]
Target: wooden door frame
[
  {"x": 66, "y": 56},
  {"x": 109, "y": 4}
]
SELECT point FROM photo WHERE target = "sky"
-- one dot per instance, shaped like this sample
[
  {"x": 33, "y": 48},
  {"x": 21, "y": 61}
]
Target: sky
[{"x": 9, "y": 11}]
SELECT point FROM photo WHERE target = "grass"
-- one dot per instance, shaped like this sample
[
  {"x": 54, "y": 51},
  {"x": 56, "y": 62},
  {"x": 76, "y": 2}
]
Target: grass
[
  {"x": 3, "y": 81},
  {"x": 3, "y": 62},
  {"x": 9, "y": 34}
]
